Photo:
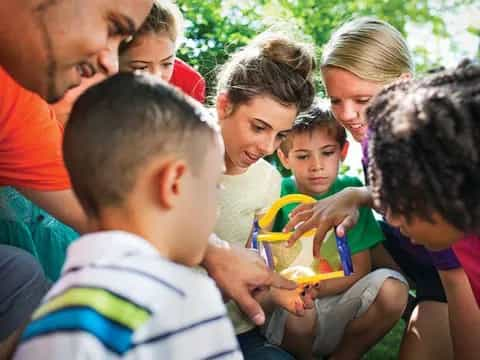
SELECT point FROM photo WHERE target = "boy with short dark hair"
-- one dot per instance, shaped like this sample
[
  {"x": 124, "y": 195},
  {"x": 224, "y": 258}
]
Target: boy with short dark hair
[
  {"x": 364, "y": 302},
  {"x": 132, "y": 148}
]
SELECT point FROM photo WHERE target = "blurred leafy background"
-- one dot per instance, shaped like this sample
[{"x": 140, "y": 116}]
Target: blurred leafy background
[{"x": 439, "y": 32}]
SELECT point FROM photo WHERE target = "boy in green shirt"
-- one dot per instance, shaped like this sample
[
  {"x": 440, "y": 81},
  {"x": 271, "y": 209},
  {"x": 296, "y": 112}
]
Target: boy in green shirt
[{"x": 353, "y": 313}]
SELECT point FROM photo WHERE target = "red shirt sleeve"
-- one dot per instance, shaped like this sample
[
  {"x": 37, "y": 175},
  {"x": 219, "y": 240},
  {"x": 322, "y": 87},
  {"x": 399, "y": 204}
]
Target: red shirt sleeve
[
  {"x": 188, "y": 80},
  {"x": 468, "y": 253},
  {"x": 30, "y": 140}
]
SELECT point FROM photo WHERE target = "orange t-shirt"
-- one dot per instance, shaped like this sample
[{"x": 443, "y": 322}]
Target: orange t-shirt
[{"x": 30, "y": 140}]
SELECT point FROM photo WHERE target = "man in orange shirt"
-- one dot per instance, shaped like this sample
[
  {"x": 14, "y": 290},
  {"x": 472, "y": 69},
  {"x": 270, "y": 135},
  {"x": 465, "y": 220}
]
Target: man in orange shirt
[{"x": 48, "y": 46}]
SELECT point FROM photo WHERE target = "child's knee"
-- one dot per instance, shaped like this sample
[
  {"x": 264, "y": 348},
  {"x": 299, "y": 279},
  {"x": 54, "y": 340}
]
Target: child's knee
[
  {"x": 392, "y": 297},
  {"x": 302, "y": 326}
]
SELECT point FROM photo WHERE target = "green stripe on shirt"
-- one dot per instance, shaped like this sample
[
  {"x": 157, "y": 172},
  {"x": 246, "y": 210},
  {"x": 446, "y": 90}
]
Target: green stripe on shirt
[{"x": 104, "y": 302}]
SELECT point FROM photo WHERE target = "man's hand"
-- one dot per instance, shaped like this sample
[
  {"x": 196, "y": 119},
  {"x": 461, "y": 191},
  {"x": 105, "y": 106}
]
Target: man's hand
[
  {"x": 238, "y": 272},
  {"x": 339, "y": 210}
]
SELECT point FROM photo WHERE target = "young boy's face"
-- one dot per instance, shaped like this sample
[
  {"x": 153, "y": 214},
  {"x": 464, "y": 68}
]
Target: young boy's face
[
  {"x": 434, "y": 236},
  {"x": 199, "y": 204},
  {"x": 151, "y": 53},
  {"x": 314, "y": 159}
]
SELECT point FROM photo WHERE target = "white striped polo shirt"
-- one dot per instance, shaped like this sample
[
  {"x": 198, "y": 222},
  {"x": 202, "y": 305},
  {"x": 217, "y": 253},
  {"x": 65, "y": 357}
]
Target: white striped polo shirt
[{"x": 118, "y": 298}]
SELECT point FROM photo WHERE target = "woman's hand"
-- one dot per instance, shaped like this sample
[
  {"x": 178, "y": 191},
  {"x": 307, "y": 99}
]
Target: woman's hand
[{"x": 339, "y": 210}]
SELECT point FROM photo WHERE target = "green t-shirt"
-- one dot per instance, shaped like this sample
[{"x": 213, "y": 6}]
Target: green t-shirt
[{"x": 364, "y": 235}]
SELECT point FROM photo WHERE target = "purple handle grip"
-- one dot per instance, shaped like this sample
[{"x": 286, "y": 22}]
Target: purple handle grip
[{"x": 345, "y": 254}]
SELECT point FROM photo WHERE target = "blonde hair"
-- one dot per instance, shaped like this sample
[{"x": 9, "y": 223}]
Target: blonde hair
[
  {"x": 164, "y": 18},
  {"x": 370, "y": 48},
  {"x": 272, "y": 65}
]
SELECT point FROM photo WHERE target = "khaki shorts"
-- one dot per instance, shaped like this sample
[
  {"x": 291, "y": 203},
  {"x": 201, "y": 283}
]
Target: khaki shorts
[{"x": 335, "y": 312}]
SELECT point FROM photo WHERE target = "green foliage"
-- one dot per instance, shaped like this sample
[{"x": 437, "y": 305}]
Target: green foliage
[
  {"x": 389, "y": 346},
  {"x": 475, "y": 31},
  {"x": 215, "y": 28},
  {"x": 321, "y": 17}
]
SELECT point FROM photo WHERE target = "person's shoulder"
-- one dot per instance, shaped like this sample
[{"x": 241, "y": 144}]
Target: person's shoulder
[
  {"x": 134, "y": 277},
  {"x": 18, "y": 104},
  {"x": 186, "y": 77},
  {"x": 184, "y": 69},
  {"x": 181, "y": 282},
  {"x": 263, "y": 166},
  {"x": 189, "y": 80},
  {"x": 289, "y": 186},
  {"x": 94, "y": 312},
  {"x": 31, "y": 139},
  {"x": 266, "y": 172},
  {"x": 7, "y": 80},
  {"x": 192, "y": 279},
  {"x": 11, "y": 87}
]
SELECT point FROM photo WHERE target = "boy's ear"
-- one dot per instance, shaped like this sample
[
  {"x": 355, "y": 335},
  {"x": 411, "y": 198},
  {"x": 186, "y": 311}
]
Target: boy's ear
[
  {"x": 283, "y": 159},
  {"x": 344, "y": 152},
  {"x": 168, "y": 182},
  {"x": 223, "y": 105}
]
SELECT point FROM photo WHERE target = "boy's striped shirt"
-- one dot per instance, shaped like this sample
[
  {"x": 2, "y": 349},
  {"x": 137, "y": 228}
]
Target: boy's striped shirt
[{"x": 117, "y": 298}]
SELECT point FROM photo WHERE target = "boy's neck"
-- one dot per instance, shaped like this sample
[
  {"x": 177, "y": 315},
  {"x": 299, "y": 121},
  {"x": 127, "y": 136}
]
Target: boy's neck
[
  {"x": 123, "y": 219},
  {"x": 311, "y": 193}
]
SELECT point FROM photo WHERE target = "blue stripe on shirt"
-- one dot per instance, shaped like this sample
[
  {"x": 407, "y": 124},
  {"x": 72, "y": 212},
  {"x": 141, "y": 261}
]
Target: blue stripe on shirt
[{"x": 113, "y": 336}]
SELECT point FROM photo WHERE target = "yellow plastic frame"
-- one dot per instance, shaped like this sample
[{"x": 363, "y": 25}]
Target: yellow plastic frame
[{"x": 271, "y": 237}]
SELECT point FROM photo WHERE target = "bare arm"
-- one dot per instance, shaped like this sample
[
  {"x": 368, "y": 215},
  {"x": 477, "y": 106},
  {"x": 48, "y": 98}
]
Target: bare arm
[
  {"x": 463, "y": 313},
  {"x": 62, "y": 205}
]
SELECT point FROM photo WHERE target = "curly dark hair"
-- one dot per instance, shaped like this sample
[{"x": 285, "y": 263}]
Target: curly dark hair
[{"x": 424, "y": 147}]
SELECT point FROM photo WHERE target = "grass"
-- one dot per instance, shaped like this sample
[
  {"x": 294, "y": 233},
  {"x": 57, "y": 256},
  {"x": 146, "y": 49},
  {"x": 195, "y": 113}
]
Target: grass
[{"x": 388, "y": 348}]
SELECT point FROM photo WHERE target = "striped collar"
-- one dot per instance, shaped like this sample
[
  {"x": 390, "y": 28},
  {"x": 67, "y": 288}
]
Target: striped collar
[{"x": 104, "y": 247}]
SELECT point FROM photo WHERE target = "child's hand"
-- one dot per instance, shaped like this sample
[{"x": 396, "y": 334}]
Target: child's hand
[
  {"x": 294, "y": 301},
  {"x": 314, "y": 291}
]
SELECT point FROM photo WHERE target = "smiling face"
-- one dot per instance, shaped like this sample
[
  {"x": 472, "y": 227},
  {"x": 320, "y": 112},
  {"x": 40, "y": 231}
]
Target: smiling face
[
  {"x": 314, "y": 158},
  {"x": 349, "y": 96},
  {"x": 63, "y": 41},
  {"x": 152, "y": 53},
  {"x": 252, "y": 130}
]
